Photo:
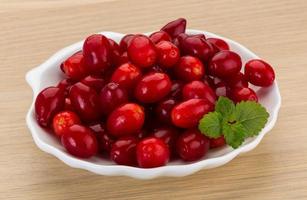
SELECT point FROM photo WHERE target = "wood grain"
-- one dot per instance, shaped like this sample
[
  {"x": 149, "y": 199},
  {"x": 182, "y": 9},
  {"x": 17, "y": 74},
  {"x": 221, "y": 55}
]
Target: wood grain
[{"x": 31, "y": 31}]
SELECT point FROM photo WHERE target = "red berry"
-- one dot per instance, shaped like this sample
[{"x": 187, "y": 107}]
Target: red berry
[
  {"x": 237, "y": 80},
  {"x": 64, "y": 120},
  {"x": 124, "y": 42},
  {"x": 198, "y": 90},
  {"x": 48, "y": 102},
  {"x": 80, "y": 141},
  {"x": 94, "y": 82},
  {"x": 74, "y": 66},
  {"x": 68, "y": 106},
  {"x": 97, "y": 53},
  {"x": 189, "y": 68},
  {"x": 174, "y": 28},
  {"x": 163, "y": 110},
  {"x": 188, "y": 113},
  {"x": 192, "y": 145},
  {"x": 225, "y": 64},
  {"x": 142, "y": 51},
  {"x": 152, "y": 87},
  {"x": 104, "y": 139},
  {"x": 178, "y": 40},
  {"x": 243, "y": 94},
  {"x": 219, "y": 43},
  {"x": 123, "y": 151},
  {"x": 86, "y": 102},
  {"x": 217, "y": 142},
  {"x": 126, "y": 75},
  {"x": 168, "y": 54},
  {"x": 152, "y": 152},
  {"x": 126, "y": 120},
  {"x": 259, "y": 73},
  {"x": 158, "y": 36},
  {"x": 195, "y": 46},
  {"x": 199, "y": 35},
  {"x": 111, "y": 96}
]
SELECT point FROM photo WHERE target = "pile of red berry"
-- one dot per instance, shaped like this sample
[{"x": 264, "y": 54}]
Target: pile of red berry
[{"x": 139, "y": 102}]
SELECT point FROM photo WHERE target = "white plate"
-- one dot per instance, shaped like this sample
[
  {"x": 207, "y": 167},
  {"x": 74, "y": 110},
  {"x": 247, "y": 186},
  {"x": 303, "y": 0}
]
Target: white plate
[{"x": 49, "y": 74}]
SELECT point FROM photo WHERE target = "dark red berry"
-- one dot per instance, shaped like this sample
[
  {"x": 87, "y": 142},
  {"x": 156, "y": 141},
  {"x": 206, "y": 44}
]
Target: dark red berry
[
  {"x": 217, "y": 142},
  {"x": 123, "y": 151},
  {"x": 125, "y": 42},
  {"x": 168, "y": 54},
  {"x": 74, "y": 67},
  {"x": 198, "y": 47},
  {"x": 174, "y": 28},
  {"x": 152, "y": 152},
  {"x": 163, "y": 110},
  {"x": 189, "y": 68},
  {"x": 237, "y": 80},
  {"x": 192, "y": 145},
  {"x": 94, "y": 82},
  {"x": 198, "y": 90},
  {"x": 158, "y": 36},
  {"x": 259, "y": 73},
  {"x": 126, "y": 75},
  {"x": 219, "y": 43},
  {"x": 243, "y": 94}
]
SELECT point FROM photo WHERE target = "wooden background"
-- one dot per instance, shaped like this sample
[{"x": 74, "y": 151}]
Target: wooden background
[{"x": 31, "y": 31}]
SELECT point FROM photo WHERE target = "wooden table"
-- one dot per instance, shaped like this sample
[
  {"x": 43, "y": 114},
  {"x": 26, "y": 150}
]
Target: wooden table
[{"x": 32, "y": 31}]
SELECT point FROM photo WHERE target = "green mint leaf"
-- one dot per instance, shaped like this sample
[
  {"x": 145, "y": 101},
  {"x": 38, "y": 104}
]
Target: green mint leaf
[
  {"x": 253, "y": 116},
  {"x": 234, "y": 134},
  {"x": 210, "y": 125},
  {"x": 224, "y": 106}
]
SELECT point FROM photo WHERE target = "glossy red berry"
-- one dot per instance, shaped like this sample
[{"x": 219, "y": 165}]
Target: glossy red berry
[
  {"x": 80, "y": 141},
  {"x": 74, "y": 66},
  {"x": 188, "y": 113},
  {"x": 94, "y": 82},
  {"x": 48, "y": 102},
  {"x": 123, "y": 151},
  {"x": 68, "y": 106},
  {"x": 259, "y": 73},
  {"x": 198, "y": 90},
  {"x": 158, "y": 36},
  {"x": 163, "y": 110},
  {"x": 63, "y": 120},
  {"x": 152, "y": 152},
  {"x": 174, "y": 28},
  {"x": 243, "y": 94},
  {"x": 168, "y": 54},
  {"x": 152, "y": 87},
  {"x": 111, "y": 96},
  {"x": 126, "y": 75},
  {"x": 189, "y": 68},
  {"x": 124, "y": 42},
  {"x": 219, "y": 43},
  {"x": 225, "y": 64},
  {"x": 97, "y": 53},
  {"x": 192, "y": 145},
  {"x": 196, "y": 46},
  {"x": 126, "y": 120},
  {"x": 237, "y": 80},
  {"x": 85, "y": 101},
  {"x": 141, "y": 51},
  {"x": 199, "y": 35},
  {"x": 217, "y": 142}
]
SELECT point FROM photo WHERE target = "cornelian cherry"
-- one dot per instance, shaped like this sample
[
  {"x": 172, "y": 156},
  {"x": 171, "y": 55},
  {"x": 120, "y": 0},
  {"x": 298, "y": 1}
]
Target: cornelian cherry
[
  {"x": 126, "y": 75},
  {"x": 152, "y": 152},
  {"x": 152, "y": 87},
  {"x": 243, "y": 94},
  {"x": 217, "y": 142},
  {"x": 188, "y": 113},
  {"x": 124, "y": 42},
  {"x": 196, "y": 46},
  {"x": 192, "y": 145},
  {"x": 174, "y": 28},
  {"x": 141, "y": 51},
  {"x": 168, "y": 54},
  {"x": 112, "y": 96},
  {"x": 163, "y": 110},
  {"x": 219, "y": 43},
  {"x": 63, "y": 120},
  {"x": 259, "y": 73},
  {"x": 225, "y": 64},
  {"x": 123, "y": 151},
  {"x": 237, "y": 80},
  {"x": 74, "y": 66},
  {"x": 80, "y": 141},
  {"x": 94, "y": 82},
  {"x": 189, "y": 68},
  {"x": 126, "y": 120}
]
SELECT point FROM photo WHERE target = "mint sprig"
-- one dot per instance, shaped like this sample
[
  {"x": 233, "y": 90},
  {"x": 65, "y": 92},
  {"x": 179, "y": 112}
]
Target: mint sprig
[{"x": 234, "y": 122}]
